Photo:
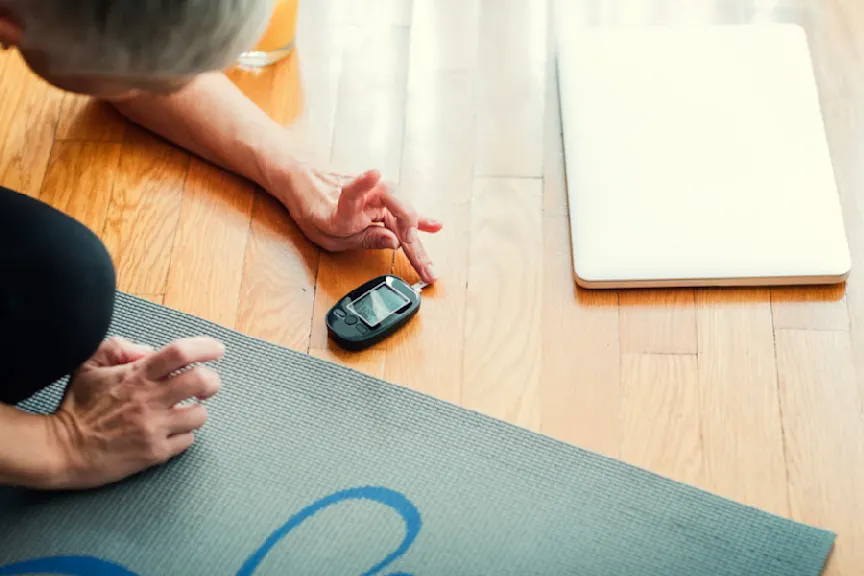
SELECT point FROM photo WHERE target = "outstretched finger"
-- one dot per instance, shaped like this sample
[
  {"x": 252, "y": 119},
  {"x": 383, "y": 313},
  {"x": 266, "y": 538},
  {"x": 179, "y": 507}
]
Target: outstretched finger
[
  {"x": 429, "y": 225},
  {"x": 180, "y": 443},
  {"x": 417, "y": 255},
  {"x": 199, "y": 383},
  {"x": 354, "y": 192},
  {"x": 405, "y": 221},
  {"x": 185, "y": 419},
  {"x": 354, "y": 198},
  {"x": 181, "y": 354}
]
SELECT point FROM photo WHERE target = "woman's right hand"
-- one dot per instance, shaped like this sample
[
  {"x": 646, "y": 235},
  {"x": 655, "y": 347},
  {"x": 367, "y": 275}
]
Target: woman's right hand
[{"x": 121, "y": 414}]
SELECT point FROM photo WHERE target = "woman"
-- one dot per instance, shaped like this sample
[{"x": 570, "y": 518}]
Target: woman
[{"x": 158, "y": 63}]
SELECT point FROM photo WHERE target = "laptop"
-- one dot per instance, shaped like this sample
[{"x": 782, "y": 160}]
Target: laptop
[{"x": 697, "y": 156}]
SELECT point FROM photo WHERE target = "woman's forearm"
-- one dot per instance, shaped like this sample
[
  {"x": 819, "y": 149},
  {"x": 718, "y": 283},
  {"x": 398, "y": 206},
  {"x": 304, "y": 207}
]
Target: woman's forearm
[
  {"x": 213, "y": 119},
  {"x": 28, "y": 454}
]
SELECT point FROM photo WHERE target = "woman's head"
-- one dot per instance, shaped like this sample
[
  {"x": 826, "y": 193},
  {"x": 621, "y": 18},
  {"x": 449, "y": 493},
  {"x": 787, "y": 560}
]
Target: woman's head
[{"x": 110, "y": 48}]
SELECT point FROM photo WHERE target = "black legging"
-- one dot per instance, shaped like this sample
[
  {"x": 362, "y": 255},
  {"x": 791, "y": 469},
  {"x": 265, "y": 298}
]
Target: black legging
[{"x": 57, "y": 286}]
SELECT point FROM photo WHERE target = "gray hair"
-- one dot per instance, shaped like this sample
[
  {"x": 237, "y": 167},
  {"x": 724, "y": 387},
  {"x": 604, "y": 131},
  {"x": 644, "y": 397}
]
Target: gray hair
[{"x": 141, "y": 38}]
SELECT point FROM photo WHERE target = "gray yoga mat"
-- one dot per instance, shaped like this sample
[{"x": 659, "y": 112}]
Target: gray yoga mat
[{"x": 309, "y": 468}]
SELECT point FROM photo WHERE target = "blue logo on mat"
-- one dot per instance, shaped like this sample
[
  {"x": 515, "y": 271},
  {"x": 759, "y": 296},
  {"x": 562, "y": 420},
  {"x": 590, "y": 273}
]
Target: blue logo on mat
[{"x": 90, "y": 566}]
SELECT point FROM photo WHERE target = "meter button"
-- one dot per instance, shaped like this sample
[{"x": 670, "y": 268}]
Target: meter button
[
  {"x": 361, "y": 328},
  {"x": 351, "y": 320},
  {"x": 339, "y": 312}
]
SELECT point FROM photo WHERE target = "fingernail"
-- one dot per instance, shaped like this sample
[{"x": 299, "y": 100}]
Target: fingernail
[
  {"x": 430, "y": 271},
  {"x": 388, "y": 242}
]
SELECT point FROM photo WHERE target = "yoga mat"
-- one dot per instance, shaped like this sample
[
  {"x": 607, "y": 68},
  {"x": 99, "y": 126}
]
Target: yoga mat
[{"x": 308, "y": 468}]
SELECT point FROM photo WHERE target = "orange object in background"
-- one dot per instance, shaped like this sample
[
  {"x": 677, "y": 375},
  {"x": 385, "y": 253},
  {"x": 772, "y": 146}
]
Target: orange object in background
[
  {"x": 269, "y": 75},
  {"x": 278, "y": 40},
  {"x": 282, "y": 29}
]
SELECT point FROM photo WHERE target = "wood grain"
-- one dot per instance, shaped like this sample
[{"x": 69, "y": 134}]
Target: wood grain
[
  {"x": 738, "y": 401},
  {"x": 511, "y": 88},
  {"x": 581, "y": 380},
  {"x": 207, "y": 259},
  {"x": 155, "y": 298},
  {"x": 277, "y": 89},
  {"x": 659, "y": 321},
  {"x": 456, "y": 20},
  {"x": 503, "y": 356},
  {"x": 309, "y": 135},
  {"x": 457, "y": 103},
  {"x": 144, "y": 211},
  {"x": 844, "y": 123},
  {"x": 28, "y": 120},
  {"x": 660, "y": 415},
  {"x": 377, "y": 13},
  {"x": 817, "y": 308},
  {"x": 370, "y": 114},
  {"x": 840, "y": 46},
  {"x": 84, "y": 118},
  {"x": 555, "y": 201},
  {"x": 277, "y": 296},
  {"x": 79, "y": 181},
  {"x": 316, "y": 68},
  {"x": 368, "y": 134},
  {"x": 437, "y": 176},
  {"x": 824, "y": 429},
  {"x": 15, "y": 76}
]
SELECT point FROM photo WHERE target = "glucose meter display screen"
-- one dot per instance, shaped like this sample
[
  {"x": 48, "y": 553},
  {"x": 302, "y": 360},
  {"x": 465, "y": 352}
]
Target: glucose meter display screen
[{"x": 375, "y": 306}]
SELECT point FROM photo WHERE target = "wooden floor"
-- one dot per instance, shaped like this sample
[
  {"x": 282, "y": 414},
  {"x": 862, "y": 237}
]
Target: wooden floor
[{"x": 753, "y": 394}]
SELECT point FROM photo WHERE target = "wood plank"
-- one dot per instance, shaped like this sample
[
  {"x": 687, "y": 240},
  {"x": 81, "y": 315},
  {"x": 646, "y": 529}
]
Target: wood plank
[
  {"x": 555, "y": 201},
  {"x": 144, "y": 212},
  {"x": 502, "y": 363},
  {"x": 28, "y": 121},
  {"x": 824, "y": 438},
  {"x": 91, "y": 120},
  {"x": 444, "y": 35},
  {"x": 660, "y": 413},
  {"x": 437, "y": 176},
  {"x": 658, "y": 321},
  {"x": 207, "y": 258},
  {"x": 277, "y": 89},
  {"x": 813, "y": 308},
  {"x": 844, "y": 124},
  {"x": 844, "y": 51},
  {"x": 155, "y": 298},
  {"x": 320, "y": 41},
  {"x": 831, "y": 39},
  {"x": 311, "y": 108},
  {"x": 369, "y": 130},
  {"x": 370, "y": 362},
  {"x": 321, "y": 27},
  {"x": 738, "y": 402},
  {"x": 14, "y": 73},
  {"x": 377, "y": 13},
  {"x": 79, "y": 181},
  {"x": 581, "y": 380},
  {"x": 370, "y": 114},
  {"x": 277, "y": 296},
  {"x": 512, "y": 88}
]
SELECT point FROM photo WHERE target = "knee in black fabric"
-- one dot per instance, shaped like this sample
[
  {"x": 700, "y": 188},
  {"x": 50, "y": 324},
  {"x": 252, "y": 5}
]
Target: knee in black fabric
[{"x": 57, "y": 297}]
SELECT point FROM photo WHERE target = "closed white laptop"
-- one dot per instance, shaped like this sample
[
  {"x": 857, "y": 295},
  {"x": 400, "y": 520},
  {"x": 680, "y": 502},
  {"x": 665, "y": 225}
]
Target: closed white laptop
[{"x": 697, "y": 156}]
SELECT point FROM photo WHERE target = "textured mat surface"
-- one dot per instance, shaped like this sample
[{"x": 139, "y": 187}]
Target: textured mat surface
[{"x": 308, "y": 468}]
